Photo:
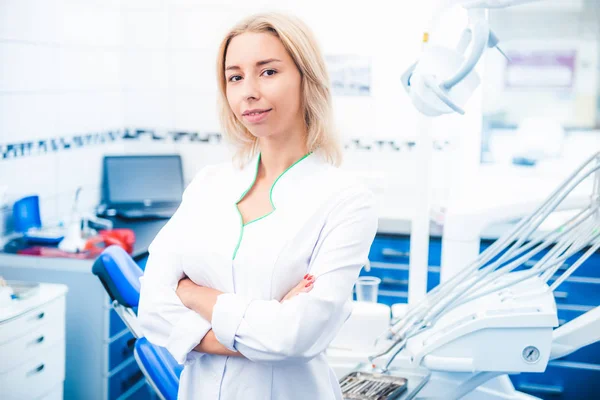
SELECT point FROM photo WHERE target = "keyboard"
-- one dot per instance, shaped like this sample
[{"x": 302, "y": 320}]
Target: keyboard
[{"x": 159, "y": 213}]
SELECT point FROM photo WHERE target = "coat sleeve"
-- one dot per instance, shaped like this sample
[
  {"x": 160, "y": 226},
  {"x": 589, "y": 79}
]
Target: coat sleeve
[
  {"x": 164, "y": 320},
  {"x": 302, "y": 327}
]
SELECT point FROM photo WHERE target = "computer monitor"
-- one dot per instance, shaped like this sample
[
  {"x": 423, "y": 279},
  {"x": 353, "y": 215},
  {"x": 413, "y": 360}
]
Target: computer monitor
[{"x": 142, "y": 181}]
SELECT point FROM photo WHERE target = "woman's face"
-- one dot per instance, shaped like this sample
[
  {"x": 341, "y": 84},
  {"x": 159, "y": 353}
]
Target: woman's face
[{"x": 263, "y": 85}]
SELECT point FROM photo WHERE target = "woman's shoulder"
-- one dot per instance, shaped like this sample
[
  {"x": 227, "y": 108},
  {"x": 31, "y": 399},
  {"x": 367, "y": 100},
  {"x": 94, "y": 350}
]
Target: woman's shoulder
[
  {"x": 214, "y": 171},
  {"x": 340, "y": 185},
  {"x": 211, "y": 174},
  {"x": 339, "y": 178}
]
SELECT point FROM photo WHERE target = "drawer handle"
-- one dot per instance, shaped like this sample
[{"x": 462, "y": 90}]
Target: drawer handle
[
  {"x": 37, "y": 341},
  {"x": 39, "y": 316},
  {"x": 131, "y": 380},
  {"x": 128, "y": 347},
  {"x": 536, "y": 388},
  {"x": 561, "y": 295},
  {"x": 391, "y": 281},
  {"x": 36, "y": 370},
  {"x": 395, "y": 253}
]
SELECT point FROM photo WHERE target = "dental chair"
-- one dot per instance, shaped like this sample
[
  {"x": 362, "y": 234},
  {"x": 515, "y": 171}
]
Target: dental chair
[{"x": 120, "y": 276}]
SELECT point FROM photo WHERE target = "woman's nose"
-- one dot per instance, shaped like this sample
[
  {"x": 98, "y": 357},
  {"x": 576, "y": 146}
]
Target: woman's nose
[{"x": 251, "y": 89}]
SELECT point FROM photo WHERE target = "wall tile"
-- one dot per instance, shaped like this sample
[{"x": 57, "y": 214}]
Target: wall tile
[
  {"x": 148, "y": 108},
  {"x": 31, "y": 20},
  {"x": 194, "y": 70},
  {"x": 31, "y": 68},
  {"x": 196, "y": 112},
  {"x": 146, "y": 29},
  {"x": 89, "y": 69},
  {"x": 146, "y": 69},
  {"x": 27, "y": 116}
]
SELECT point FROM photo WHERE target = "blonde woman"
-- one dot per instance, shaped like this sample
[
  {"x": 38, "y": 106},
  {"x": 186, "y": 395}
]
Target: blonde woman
[{"x": 251, "y": 279}]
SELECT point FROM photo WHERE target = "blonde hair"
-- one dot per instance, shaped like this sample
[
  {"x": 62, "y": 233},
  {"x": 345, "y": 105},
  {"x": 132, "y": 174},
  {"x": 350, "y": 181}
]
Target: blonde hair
[{"x": 301, "y": 45}]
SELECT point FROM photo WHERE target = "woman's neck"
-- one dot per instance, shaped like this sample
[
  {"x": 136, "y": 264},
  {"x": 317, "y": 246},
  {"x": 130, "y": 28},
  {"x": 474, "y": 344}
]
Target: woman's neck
[{"x": 277, "y": 156}]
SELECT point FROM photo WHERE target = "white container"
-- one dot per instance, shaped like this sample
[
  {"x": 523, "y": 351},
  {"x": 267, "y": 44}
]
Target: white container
[{"x": 367, "y": 288}]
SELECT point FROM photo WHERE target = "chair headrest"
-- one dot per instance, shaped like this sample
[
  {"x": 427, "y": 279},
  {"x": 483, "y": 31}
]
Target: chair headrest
[{"x": 120, "y": 275}]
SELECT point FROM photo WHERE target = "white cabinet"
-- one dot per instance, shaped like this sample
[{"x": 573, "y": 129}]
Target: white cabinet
[{"x": 32, "y": 345}]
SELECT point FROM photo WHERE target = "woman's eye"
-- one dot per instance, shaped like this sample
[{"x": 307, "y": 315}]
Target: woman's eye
[
  {"x": 233, "y": 78},
  {"x": 273, "y": 72}
]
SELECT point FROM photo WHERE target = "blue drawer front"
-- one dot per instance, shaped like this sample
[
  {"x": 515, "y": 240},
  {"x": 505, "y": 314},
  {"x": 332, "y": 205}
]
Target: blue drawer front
[
  {"x": 562, "y": 380},
  {"x": 396, "y": 249},
  {"x": 124, "y": 380},
  {"x": 580, "y": 291},
  {"x": 116, "y": 324},
  {"x": 389, "y": 297},
  {"x": 589, "y": 354},
  {"x": 588, "y": 269},
  {"x": 396, "y": 276},
  {"x": 145, "y": 392},
  {"x": 120, "y": 350}
]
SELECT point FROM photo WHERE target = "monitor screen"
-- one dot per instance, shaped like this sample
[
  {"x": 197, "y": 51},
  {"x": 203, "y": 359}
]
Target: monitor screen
[{"x": 143, "y": 179}]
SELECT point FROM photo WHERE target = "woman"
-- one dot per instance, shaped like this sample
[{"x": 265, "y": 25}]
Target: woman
[{"x": 221, "y": 288}]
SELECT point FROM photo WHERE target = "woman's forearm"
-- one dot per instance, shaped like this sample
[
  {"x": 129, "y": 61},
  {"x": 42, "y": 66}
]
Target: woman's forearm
[
  {"x": 198, "y": 298},
  {"x": 202, "y": 300},
  {"x": 210, "y": 345}
]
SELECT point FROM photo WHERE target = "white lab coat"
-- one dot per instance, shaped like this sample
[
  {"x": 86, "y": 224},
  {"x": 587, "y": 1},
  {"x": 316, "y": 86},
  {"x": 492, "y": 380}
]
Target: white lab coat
[{"x": 323, "y": 223}]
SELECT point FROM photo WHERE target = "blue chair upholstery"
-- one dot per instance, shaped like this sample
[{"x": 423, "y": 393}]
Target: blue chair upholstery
[
  {"x": 120, "y": 276},
  {"x": 158, "y": 365}
]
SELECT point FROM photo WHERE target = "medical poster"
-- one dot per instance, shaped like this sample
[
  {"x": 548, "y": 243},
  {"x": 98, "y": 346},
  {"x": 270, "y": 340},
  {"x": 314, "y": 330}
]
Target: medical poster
[
  {"x": 551, "y": 69},
  {"x": 350, "y": 74}
]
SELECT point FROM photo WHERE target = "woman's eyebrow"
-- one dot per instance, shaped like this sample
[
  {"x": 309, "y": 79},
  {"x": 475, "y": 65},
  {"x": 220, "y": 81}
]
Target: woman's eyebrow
[{"x": 258, "y": 63}]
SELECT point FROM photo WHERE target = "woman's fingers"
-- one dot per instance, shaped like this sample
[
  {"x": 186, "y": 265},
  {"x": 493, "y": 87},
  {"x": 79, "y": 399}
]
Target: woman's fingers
[
  {"x": 307, "y": 283},
  {"x": 304, "y": 286}
]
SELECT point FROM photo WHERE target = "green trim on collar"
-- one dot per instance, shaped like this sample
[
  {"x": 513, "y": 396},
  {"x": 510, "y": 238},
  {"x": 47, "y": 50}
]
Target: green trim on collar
[{"x": 270, "y": 199}]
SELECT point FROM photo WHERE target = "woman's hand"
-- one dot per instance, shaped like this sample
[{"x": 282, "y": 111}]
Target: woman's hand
[{"x": 304, "y": 286}]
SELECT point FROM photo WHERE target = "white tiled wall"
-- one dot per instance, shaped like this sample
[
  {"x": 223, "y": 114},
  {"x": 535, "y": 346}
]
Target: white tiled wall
[
  {"x": 81, "y": 66},
  {"x": 170, "y": 53},
  {"x": 60, "y": 75}
]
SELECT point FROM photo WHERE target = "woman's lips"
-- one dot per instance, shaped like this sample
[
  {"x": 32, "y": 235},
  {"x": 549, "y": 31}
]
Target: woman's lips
[{"x": 258, "y": 117}]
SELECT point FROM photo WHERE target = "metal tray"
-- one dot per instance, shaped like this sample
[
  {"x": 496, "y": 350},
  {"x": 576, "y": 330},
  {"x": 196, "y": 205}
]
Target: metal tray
[{"x": 359, "y": 385}]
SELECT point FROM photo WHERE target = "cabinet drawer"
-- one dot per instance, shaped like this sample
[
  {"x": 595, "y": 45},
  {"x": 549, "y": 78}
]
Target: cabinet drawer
[
  {"x": 396, "y": 249},
  {"x": 124, "y": 379},
  {"x": 390, "y": 298},
  {"x": 56, "y": 394},
  {"x": 144, "y": 392},
  {"x": 589, "y": 269},
  {"x": 579, "y": 291},
  {"x": 115, "y": 324},
  {"x": 390, "y": 249},
  {"x": 562, "y": 380},
  {"x": 395, "y": 276},
  {"x": 30, "y": 344},
  {"x": 567, "y": 312},
  {"x": 120, "y": 350},
  {"x": 589, "y": 354},
  {"x": 36, "y": 377},
  {"x": 32, "y": 320}
]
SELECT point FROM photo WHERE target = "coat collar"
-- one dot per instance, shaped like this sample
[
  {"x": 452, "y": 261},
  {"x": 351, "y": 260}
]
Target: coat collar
[{"x": 288, "y": 185}]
